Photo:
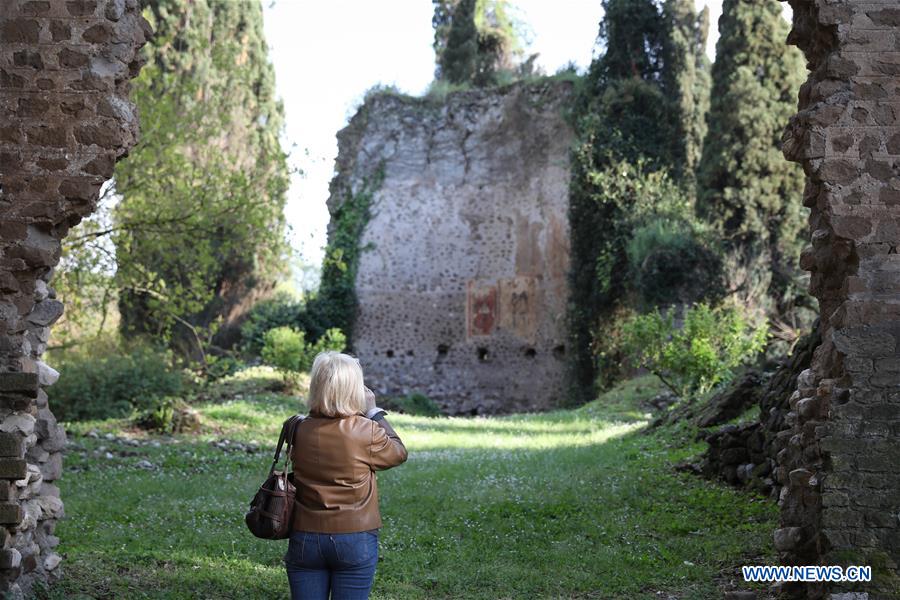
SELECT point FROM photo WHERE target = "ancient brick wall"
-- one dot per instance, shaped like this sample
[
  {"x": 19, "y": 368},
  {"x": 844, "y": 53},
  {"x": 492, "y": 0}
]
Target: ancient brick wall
[
  {"x": 65, "y": 119},
  {"x": 839, "y": 465},
  {"x": 462, "y": 290}
]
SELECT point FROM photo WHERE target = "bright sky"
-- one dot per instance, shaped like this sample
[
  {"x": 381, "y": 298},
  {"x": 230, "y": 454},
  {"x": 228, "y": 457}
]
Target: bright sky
[{"x": 327, "y": 54}]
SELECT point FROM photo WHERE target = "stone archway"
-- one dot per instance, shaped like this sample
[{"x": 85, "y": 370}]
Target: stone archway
[
  {"x": 65, "y": 119},
  {"x": 839, "y": 459}
]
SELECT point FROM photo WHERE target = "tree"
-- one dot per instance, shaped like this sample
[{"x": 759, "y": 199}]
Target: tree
[
  {"x": 686, "y": 81},
  {"x": 224, "y": 182},
  {"x": 475, "y": 41},
  {"x": 704, "y": 350},
  {"x": 746, "y": 188},
  {"x": 631, "y": 40},
  {"x": 193, "y": 229},
  {"x": 459, "y": 59},
  {"x": 638, "y": 119}
]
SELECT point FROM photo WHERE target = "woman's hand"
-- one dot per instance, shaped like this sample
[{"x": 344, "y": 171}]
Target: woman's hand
[{"x": 370, "y": 400}]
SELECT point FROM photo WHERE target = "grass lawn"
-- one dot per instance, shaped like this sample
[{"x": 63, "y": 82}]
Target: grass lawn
[{"x": 567, "y": 504}]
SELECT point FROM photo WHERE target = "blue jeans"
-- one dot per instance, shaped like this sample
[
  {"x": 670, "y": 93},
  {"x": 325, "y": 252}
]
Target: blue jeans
[{"x": 342, "y": 564}]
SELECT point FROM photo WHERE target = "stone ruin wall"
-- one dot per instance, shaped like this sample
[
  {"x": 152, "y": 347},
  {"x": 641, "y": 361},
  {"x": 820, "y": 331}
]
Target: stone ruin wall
[
  {"x": 838, "y": 461},
  {"x": 462, "y": 292},
  {"x": 65, "y": 119}
]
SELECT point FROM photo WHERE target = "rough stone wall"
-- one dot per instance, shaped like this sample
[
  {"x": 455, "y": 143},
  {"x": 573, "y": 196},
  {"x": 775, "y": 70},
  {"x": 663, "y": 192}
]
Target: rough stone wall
[
  {"x": 65, "y": 119},
  {"x": 463, "y": 291},
  {"x": 839, "y": 468}
]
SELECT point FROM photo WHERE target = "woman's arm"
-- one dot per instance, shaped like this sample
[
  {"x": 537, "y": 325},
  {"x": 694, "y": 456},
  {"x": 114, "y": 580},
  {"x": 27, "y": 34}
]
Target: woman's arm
[{"x": 387, "y": 449}]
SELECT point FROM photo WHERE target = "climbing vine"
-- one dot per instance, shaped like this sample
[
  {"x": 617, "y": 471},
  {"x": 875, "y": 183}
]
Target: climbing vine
[{"x": 336, "y": 303}]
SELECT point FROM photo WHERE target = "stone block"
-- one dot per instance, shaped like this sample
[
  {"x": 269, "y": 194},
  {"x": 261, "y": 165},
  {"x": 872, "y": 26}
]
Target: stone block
[
  {"x": 10, "y": 514},
  {"x": 18, "y": 422},
  {"x": 60, "y": 31},
  {"x": 21, "y": 383},
  {"x": 56, "y": 441},
  {"x": 13, "y": 468},
  {"x": 97, "y": 34},
  {"x": 20, "y": 31},
  {"x": 46, "y": 312},
  {"x": 10, "y": 558},
  {"x": 11, "y": 445},
  {"x": 787, "y": 538},
  {"x": 81, "y": 8}
]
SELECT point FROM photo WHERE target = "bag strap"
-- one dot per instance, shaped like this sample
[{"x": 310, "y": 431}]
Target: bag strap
[
  {"x": 292, "y": 429},
  {"x": 287, "y": 432}
]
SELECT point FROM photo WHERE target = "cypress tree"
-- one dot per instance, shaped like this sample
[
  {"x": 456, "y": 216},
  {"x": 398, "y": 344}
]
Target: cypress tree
[
  {"x": 686, "y": 81},
  {"x": 459, "y": 60},
  {"x": 631, "y": 39},
  {"x": 497, "y": 47},
  {"x": 746, "y": 187}
]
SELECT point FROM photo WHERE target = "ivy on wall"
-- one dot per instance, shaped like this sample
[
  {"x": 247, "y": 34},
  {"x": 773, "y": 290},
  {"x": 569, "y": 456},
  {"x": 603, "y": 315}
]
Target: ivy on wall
[{"x": 336, "y": 303}]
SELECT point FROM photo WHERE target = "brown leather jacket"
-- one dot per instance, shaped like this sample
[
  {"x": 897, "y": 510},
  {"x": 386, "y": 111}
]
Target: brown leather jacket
[{"x": 335, "y": 459}]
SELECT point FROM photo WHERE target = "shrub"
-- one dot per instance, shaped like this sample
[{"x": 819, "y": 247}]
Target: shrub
[
  {"x": 412, "y": 404},
  {"x": 440, "y": 88},
  {"x": 99, "y": 381},
  {"x": 168, "y": 415},
  {"x": 280, "y": 310},
  {"x": 703, "y": 352},
  {"x": 287, "y": 350},
  {"x": 218, "y": 367},
  {"x": 670, "y": 261}
]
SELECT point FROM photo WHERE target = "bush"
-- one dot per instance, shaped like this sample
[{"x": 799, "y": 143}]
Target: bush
[
  {"x": 282, "y": 310},
  {"x": 439, "y": 89},
  {"x": 703, "y": 352},
  {"x": 670, "y": 261},
  {"x": 286, "y": 349},
  {"x": 314, "y": 316},
  {"x": 219, "y": 367},
  {"x": 99, "y": 381},
  {"x": 412, "y": 404},
  {"x": 169, "y": 415}
]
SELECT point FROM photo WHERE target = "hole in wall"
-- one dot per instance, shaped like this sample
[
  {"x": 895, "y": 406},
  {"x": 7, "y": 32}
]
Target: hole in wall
[
  {"x": 443, "y": 349},
  {"x": 483, "y": 354},
  {"x": 390, "y": 353},
  {"x": 410, "y": 353},
  {"x": 559, "y": 351},
  {"x": 530, "y": 353}
]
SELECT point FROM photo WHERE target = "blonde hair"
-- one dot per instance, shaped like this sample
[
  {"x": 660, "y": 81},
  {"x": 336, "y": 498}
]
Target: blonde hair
[{"x": 336, "y": 385}]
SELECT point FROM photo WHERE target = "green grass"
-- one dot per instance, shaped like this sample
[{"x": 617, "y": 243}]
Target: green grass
[{"x": 567, "y": 504}]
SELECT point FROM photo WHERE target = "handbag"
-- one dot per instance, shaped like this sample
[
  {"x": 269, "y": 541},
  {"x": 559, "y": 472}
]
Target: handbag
[{"x": 272, "y": 508}]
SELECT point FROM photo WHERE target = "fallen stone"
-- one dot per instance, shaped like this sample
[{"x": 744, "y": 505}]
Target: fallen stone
[{"x": 52, "y": 561}]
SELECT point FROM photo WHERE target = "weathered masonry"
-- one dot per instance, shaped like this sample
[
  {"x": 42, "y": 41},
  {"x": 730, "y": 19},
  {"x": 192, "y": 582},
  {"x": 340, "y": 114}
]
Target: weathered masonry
[
  {"x": 462, "y": 290},
  {"x": 65, "y": 119},
  {"x": 840, "y": 503}
]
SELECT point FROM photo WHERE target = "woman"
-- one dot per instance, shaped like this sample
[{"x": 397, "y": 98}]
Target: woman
[{"x": 337, "y": 449}]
